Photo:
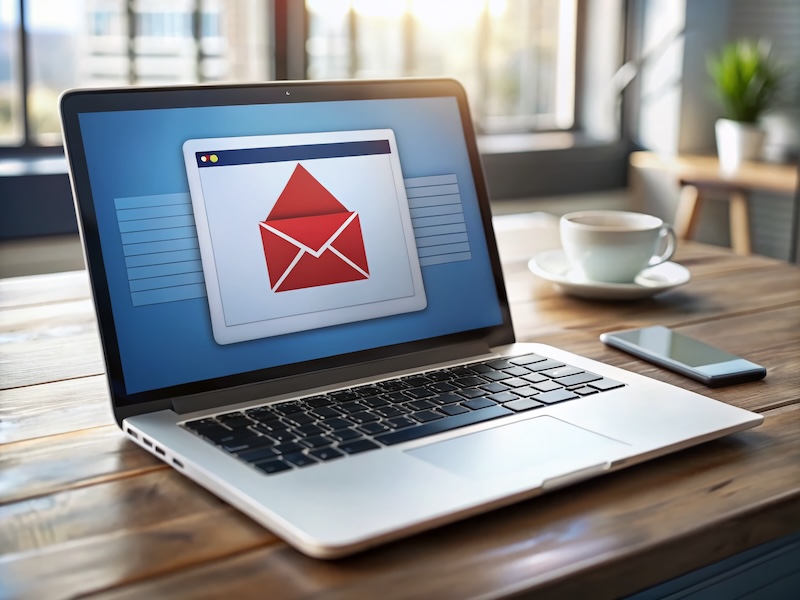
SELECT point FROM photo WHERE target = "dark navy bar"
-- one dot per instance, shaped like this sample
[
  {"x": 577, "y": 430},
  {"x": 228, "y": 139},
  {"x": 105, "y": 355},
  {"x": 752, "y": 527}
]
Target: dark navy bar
[{"x": 250, "y": 156}]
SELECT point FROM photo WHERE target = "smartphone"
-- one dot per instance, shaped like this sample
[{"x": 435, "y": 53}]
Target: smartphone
[{"x": 685, "y": 355}]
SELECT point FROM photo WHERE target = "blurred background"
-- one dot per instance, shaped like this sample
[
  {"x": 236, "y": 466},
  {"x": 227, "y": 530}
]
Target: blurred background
[{"x": 566, "y": 94}]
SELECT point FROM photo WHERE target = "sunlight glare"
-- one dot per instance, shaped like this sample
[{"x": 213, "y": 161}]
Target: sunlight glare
[
  {"x": 447, "y": 14},
  {"x": 380, "y": 8},
  {"x": 329, "y": 9}
]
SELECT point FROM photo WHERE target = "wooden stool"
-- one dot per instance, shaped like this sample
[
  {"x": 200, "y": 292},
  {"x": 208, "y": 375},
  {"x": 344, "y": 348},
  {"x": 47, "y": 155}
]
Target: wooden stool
[
  {"x": 688, "y": 211},
  {"x": 698, "y": 175}
]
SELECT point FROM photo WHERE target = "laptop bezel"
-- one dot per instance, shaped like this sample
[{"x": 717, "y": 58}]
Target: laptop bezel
[{"x": 75, "y": 102}]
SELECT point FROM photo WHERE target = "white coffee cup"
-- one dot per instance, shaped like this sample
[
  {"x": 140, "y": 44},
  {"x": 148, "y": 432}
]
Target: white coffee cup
[{"x": 614, "y": 246}]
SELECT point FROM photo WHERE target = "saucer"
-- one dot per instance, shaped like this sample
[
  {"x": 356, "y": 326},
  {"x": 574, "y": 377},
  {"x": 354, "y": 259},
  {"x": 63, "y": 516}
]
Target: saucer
[{"x": 552, "y": 266}]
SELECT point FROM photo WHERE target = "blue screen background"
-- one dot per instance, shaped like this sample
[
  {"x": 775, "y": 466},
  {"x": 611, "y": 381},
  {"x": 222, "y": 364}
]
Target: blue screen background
[{"x": 138, "y": 153}]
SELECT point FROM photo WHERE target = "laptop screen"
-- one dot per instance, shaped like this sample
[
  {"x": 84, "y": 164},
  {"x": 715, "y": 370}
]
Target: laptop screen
[{"x": 233, "y": 239}]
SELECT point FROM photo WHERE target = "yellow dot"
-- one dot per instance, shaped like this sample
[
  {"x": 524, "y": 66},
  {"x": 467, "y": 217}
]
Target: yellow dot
[{"x": 214, "y": 158}]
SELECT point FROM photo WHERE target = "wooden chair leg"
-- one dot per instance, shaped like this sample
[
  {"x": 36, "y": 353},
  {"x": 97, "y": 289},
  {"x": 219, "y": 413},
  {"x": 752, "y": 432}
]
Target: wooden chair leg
[
  {"x": 688, "y": 212},
  {"x": 740, "y": 223}
]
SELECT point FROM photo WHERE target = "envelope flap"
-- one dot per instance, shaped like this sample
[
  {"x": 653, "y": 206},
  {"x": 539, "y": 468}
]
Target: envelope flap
[
  {"x": 304, "y": 196},
  {"x": 309, "y": 232}
]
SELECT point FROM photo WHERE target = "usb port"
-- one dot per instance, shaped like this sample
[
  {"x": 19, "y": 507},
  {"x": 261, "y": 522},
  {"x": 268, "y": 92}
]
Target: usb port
[
  {"x": 160, "y": 451},
  {"x": 177, "y": 463},
  {"x": 147, "y": 442},
  {"x": 132, "y": 433}
]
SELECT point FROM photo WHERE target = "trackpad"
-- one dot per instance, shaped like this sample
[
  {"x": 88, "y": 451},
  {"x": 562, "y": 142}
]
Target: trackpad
[{"x": 544, "y": 444}]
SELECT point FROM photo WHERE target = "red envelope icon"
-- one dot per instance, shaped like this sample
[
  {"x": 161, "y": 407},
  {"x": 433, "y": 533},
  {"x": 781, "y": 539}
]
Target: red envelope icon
[{"x": 310, "y": 239}]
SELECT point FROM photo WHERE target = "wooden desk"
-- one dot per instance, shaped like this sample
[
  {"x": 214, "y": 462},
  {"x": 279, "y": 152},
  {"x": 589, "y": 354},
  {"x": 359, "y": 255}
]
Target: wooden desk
[
  {"x": 85, "y": 512},
  {"x": 698, "y": 175}
]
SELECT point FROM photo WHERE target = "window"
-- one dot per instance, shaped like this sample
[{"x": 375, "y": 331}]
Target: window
[{"x": 515, "y": 57}]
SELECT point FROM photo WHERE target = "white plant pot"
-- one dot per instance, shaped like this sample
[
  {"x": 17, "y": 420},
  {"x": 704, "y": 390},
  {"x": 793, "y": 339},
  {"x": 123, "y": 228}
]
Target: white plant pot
[{"x": 737, "y": 142}]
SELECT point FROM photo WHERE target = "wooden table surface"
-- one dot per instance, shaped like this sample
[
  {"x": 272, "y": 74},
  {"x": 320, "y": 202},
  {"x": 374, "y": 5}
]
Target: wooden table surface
[{"x": 84, "y": 512}]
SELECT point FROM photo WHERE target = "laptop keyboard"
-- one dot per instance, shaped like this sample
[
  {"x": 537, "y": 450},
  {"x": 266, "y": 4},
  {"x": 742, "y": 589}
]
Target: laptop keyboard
[{"x": 298, "y": 433}]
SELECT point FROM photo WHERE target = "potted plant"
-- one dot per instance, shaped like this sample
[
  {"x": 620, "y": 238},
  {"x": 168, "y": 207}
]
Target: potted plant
[{"x": 746, "y": 81}]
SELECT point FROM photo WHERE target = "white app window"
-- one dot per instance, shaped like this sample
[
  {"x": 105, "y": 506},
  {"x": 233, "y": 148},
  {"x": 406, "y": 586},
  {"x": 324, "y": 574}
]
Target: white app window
[{"x": 302, "y": 231}]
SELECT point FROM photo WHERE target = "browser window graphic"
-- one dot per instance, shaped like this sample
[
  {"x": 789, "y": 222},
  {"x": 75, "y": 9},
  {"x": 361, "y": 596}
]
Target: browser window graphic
[
  {"x": 310, "y": 239},
  {"x": 302, "y": 231}
]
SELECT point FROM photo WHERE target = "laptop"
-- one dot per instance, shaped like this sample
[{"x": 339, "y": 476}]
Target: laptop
[{"x": 302, "y": 309}]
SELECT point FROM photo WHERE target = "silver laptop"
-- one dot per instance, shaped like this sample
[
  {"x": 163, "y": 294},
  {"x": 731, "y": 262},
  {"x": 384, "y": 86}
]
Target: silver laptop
[{"x": 302, "y": 309}]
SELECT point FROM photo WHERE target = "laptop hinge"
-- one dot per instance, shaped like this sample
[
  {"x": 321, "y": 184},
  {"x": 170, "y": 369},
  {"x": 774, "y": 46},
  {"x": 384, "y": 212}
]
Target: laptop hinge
[{"x": 328, "y": 378}]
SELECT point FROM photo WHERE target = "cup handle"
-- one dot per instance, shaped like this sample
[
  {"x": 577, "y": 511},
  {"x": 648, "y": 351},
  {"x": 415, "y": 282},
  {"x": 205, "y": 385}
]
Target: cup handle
[{"x": 672, "y": 241}]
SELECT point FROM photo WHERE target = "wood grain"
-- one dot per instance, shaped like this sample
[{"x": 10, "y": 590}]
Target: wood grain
[
  {"x": 48, "y": 465},
  {"x": 43, "y": 289},
  {"x": 52, "y": 408},
  {"x": 62, "y": 544}
]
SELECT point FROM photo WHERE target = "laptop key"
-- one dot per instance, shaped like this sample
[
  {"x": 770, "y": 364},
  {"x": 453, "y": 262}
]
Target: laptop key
[
  {"x": 546, "y": 386},
  {"x": 237, "y": 446},
  {"x": 288, "y": 448},
  {"x": 439, "y": 376},
  {"x": 318, "y": 401},
  {"x": 272, "y": 466},
  {"x": 417, "y": 380},
  {"x": 440, "y": 425},
  {"x": 375, "y": 401},
  {"x": 392, "y": 411},
  {"x": 299, "y": 460},
  {"x": 443, "y": 399},
  {"x": 585, "y": 390},
  {"x": 400, "y": 422},
  {"x": 514, "y": 382},
  {"x": 345, "y": 434},
  {"x": 523, "y": 404},
  {"x": 527, "y": 359},
  {"x": 556, "y": 396},
  {"x": 315, "y": 441},
  {"x": 257, "y": 454},
  {"x": 606, "y": 384},
  {"x": 201, "y": 424},
  {"x": 284, "y": 435},
  {"x": 363, "y": 417},
  {"x": 493, "y": 388},
  {"x": 478, "y": 403},
  {"x": 501, "y": 363},
  {"x": 578, "y": 378},
  {"x": 418, "y": 393},
  {"x": 325, "y": 412},
  {"x": 562, "y": 372},
  {"x": 503, "y": 397},
  {"x": 442, "y": 386},
  {"x": 424, "y": 416},
  {"x": 471, "y": 393},
  {"x": 526, "y": 391},
  {"x": 453, "y": 409},
  {"x": 545, "y": 365},
  {"x": 336, "y": 423},
  {"x": 344, "y": 395},
  {"x": 350, "y": 407},
  {"x": 392, "y": 385},
  {"x": 308, "y": 430},
  {"x": 237, "y": 422},
  {"x": 300, "y": 419},
  {"x": 496, "y": 375},
  {"x": 373, "y": 428},
  {"x": 516, "y": 371},
  {"x": 324, "y": 454},
  {"x": 357, "y": 446},
  {"x": 468, "y": 382},
  {"x": 216, "y": 434},
  {"x": 420, "y": 404}
]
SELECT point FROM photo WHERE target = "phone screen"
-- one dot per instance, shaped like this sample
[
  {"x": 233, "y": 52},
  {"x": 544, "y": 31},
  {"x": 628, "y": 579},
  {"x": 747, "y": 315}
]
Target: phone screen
[{"x": 680, "y": 348}]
